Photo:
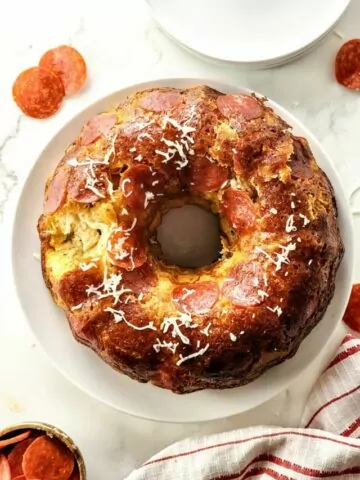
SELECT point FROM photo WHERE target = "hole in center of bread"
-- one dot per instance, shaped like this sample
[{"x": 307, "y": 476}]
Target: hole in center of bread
[{"x": 189, "y": 237}]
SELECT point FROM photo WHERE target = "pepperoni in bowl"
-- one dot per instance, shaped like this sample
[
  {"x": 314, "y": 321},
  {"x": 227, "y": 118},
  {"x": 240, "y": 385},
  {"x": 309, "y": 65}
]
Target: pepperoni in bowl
[{"x": 39, "y": 451}]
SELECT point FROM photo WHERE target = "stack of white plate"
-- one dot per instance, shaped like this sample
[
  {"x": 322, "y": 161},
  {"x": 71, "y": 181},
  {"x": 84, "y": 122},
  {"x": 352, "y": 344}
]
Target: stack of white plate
[{"x": 250, "y": 33}]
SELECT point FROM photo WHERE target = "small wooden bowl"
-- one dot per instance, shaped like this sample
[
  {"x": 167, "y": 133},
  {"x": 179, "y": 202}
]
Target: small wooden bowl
[{"x": 51, "y": 431}]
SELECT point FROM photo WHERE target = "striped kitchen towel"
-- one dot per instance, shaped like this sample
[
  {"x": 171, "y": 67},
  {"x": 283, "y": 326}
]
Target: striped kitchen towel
[{"x": 327, "y": 444}]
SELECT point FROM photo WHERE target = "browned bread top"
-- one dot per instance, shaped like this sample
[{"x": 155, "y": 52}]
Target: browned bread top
[{"x": 187, "y": 329}]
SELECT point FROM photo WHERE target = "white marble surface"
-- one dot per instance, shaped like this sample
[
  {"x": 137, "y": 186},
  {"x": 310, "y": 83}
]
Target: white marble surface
[{"x": 122, "y": 45}]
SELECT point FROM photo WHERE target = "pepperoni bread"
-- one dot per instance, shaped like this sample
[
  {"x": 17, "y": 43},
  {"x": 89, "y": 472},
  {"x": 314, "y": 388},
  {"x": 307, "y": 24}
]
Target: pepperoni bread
[{"x": 217, "y": 326}]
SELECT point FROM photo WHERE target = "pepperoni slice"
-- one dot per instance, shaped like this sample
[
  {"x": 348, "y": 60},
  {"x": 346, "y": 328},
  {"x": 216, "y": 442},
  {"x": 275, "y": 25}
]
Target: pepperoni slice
[
  {"x": 87, "y": 184},
  {"x": 203, "y": 175},
  {"x": 38, "y": 92},
  {"x": 300, "y": 162},
  {"x": 21, "y": 477},
  {"x": 73, "y": 285},
  {"x": 243, "y": 284},
  {"x": 98, "y": 126},
  {"x": 15, "y": 439},
  {"x": 140, "y": 280},
  {"x": 160, "y": 100},
  {"x": 142, "y": 185},
  {"x": 232, "y": 105},
  {"x": 55, "y": 195},
  {"x": 196, "y": 298},
  {"x": 125, "y": 250},
  {"x": 239, "y": 210},
  {"x": 47, "y": 459},
  {"x": 352, "y": 312},
  {"x": 16, "y": 456},
  {"x": 68, "y": 64},
  {"x": 5, "y": 472},
  {"x": 347, "y": 65}
]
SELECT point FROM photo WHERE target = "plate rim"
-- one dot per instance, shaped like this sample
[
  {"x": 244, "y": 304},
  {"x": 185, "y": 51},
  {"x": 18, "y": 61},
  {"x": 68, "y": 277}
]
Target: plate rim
[
  {"x": 216, "y": 83},
  {"x": 261, "y": 63}
]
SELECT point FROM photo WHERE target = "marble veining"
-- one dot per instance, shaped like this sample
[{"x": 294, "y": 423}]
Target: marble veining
[
  {"x": 8, "y": 177},
  {"x": 122, "y": 45}
]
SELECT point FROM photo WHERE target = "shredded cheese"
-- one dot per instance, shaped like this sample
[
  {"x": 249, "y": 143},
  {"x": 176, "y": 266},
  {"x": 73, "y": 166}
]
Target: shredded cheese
[
  {"x": 119, "y": 316},
  {"x": 145, "y": 135},
  {"x": 206, "y": 330},
  {"x": 305, "y": 219},
  {"x": 262, "y": 294},
  {"x": 290, "y": 226},
  {"x": 187, "y": 293},
  {"x": 127, "y": 230},
  {"x": 192, "y": 355},
  {"x": 77, "y": 307},
  {"x": 183, "y": 320},
  {"x": 169, "y": 345},
  {"x": 276, "y": 310},
  {"x": 110, "y": 287},
  {"x": 281, "y": 257},
  {"x": 122, "y": 186},
  {"x": 87, "y": 266},
  {"x": 92, "y": 181},
  {"x": 148, "y": 196},
  {"x": 133, "y": 266}
]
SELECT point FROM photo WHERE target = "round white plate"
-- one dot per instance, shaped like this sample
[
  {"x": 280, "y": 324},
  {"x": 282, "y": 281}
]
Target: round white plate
[
  {"x": 247, "y": 31},
  {"x": 80, "y": 365}
]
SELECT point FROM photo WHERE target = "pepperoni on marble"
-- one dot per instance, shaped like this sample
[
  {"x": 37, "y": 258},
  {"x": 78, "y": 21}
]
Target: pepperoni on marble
[
  {"x": 352, "y": 312},
  {"x": 38, "y": 92},
  {"x": 347, "y": 64},
  {"x": 68, "y": 64}
]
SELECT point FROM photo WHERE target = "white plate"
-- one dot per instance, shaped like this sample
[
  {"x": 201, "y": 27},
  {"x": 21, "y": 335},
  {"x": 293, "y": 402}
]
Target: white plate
[
  {"x": 80, "y": 365},
  {"x": 247, "y": 31},
  {"x": 258, "y": 65}
]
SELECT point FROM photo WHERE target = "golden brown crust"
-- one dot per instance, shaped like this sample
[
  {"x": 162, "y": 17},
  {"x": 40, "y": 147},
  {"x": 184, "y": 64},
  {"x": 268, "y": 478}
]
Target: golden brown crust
[{"x": 218, "y": 326}]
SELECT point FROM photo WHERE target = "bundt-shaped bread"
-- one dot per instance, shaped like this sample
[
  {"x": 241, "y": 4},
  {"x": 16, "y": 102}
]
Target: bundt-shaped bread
[{"x": 218, "y": 326}]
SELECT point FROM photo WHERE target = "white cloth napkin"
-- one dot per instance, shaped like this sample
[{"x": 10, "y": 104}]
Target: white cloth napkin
[{"x": 327, "y": 444}]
